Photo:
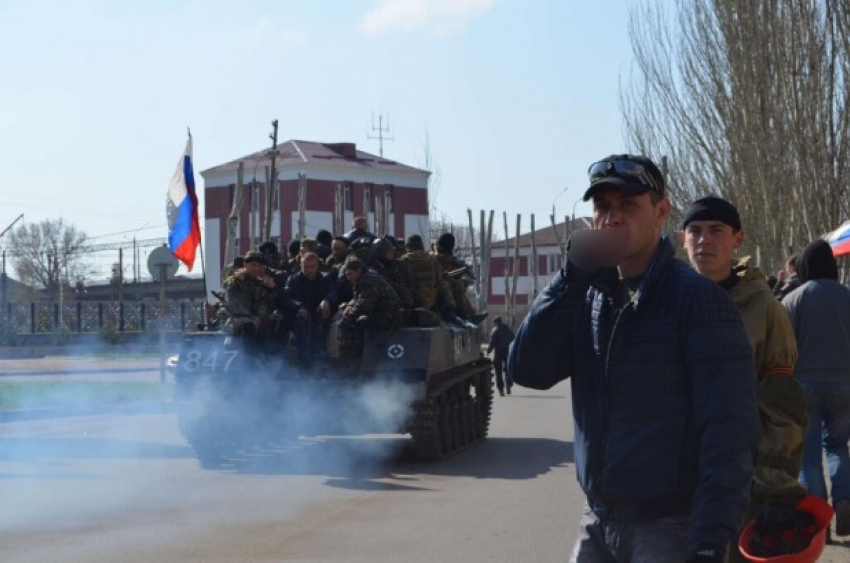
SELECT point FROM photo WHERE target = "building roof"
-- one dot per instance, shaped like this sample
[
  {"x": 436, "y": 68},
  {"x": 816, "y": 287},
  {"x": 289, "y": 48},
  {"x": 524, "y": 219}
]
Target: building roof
[
  {"x": 294, "y": 152},
  {"x": 547, "y": 236}
]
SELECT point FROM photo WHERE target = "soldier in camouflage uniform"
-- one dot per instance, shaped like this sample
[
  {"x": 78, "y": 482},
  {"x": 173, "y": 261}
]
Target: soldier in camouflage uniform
[
  {"x": 275, "y": 265},
  {"x": 339, "y": 252},
  {"x": 375, "y": 306},
  {"x": 384, "y": 262},
  {"x": 454, "y": 265},
  {"x": 250, "y": 301},
  {"x": 430, "y": 290}
]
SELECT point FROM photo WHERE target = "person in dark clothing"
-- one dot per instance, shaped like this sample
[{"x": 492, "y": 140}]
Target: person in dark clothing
[
  {"x": 788, "y": 279},
  {"x": 325, "y": 239},
  {"x": 359, "y": 229},
  {"x": 452, "y": 268},
  {"x": 662, "y": 374},
  {"x": 500, "y": 342},
  {"x": 820, "y": 314},
  {"x": 309, "y": 301}
]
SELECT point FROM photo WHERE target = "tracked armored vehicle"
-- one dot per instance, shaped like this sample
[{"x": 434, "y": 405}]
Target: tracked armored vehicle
[{"x": 431, "y": 383}]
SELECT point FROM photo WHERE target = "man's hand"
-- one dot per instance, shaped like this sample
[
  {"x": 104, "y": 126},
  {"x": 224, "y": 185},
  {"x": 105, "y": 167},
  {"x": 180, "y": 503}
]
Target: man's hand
[
  {"x": 325, "y": 309},
  {"x": 302, "y": 314},
  {"x": 596, "y": 248},
  {"x": 268, "y": 281}
]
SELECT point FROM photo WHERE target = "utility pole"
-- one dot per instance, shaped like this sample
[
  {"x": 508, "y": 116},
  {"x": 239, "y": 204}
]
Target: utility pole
[
  {"x": 120, "y": 274},
  {"x": 380, "y": 129},
  {"x": 271, "y": 186}
]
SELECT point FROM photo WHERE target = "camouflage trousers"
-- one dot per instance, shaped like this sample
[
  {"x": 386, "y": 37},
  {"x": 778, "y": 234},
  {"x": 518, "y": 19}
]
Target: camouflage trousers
[
  {"x": 464, "y": 307},
  {"x": 351, "y": 334}
]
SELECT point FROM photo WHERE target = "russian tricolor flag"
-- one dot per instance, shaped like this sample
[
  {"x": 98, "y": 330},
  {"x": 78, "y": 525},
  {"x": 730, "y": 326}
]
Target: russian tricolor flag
[
  {"x": 839, "y": 240},
  {"x": 184, "y": 230}
]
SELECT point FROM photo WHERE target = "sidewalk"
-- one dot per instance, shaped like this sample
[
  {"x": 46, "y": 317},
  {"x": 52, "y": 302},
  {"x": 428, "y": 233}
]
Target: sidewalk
[{"x": 86, "y": 368}]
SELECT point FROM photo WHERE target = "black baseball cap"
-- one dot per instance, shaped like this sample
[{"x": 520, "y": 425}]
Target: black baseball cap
[{"x": 627, "y": 173}]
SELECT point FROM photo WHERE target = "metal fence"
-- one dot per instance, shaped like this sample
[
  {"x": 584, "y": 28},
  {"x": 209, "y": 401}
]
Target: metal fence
[{"x": 81, "y": 317}]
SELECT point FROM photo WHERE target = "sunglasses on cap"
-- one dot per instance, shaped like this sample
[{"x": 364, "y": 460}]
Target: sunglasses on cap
[{"x": 626, "y": 170}]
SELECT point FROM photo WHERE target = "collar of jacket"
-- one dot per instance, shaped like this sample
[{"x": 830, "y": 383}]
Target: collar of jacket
[{"x": 608, "y": 280}]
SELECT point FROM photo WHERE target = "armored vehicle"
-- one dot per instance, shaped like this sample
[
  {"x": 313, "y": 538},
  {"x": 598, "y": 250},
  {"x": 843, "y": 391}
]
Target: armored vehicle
[{"x": 432, "y": 383}]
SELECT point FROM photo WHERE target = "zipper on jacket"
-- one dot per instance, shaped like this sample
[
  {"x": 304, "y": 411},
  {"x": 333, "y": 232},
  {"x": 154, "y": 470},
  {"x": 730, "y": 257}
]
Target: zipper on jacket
[{"x": 606, "y": 399}]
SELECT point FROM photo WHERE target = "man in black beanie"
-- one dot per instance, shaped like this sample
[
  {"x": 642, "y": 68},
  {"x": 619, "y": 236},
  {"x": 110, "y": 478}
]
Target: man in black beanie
[
  {"x": 711, "y": 232},
  {"x": 820, "y": 314}
]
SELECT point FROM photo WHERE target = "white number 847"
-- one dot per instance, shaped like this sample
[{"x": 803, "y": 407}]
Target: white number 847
[{"x": 214, "y": 361}]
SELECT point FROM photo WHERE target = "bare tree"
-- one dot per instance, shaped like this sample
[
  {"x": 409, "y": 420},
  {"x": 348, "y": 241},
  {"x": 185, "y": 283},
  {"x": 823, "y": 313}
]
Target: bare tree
[
  {"x": 747, "y": 99},
  {"x": 49, "y": 254}
]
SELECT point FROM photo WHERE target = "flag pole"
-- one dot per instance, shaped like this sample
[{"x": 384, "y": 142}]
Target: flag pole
[{"x": 201, "y": 251}]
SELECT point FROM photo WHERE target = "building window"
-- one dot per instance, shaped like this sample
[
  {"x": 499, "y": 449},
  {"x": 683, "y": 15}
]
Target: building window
[
  {"x": 367, "y": 198},
  {"x": 554, "y": 263},
  {"x": 388, "y": 199},
  {"x": 255, "y": 198},
  {"x": 347, "y": 203}
]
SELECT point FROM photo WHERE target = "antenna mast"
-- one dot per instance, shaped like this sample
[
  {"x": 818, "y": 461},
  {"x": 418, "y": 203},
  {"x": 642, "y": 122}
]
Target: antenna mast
[{"x": 380, "y": 129}]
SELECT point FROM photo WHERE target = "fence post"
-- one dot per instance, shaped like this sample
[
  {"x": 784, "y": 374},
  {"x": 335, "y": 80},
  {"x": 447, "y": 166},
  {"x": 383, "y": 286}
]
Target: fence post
[
  {"x": 121, "y": 316},
  {"x": 142, "y": 317},
  {"x": 32, "y": 318},
  {"x": 100, "y": 315},
  {"x": 79, "y": 316},
  {"x": 182, "y": 317},
  {"x": 56, "y": 317}
]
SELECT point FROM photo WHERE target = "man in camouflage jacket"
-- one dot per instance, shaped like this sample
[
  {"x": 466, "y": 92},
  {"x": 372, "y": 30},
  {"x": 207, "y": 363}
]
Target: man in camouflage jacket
[
  {"x": 250, "y": 299},
  {"x": 430, "y": 288},
  {"x": 375, "y": 306}
]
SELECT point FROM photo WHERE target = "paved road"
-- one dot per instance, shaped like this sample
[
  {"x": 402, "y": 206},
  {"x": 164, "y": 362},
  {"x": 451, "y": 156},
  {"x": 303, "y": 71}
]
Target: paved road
[{"x": 126, "y": 488}]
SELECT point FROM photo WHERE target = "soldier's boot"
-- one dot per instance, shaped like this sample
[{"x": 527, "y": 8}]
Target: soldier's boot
[
  {"x": 451, "y": 316},
  {"x": 478, "y": 317}
]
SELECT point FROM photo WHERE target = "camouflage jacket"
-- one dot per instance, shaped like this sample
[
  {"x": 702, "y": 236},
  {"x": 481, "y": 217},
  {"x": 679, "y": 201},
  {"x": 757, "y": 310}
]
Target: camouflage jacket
[
  {"x": 781, "y": 400},
  {"x": 449, "y": 262},
  {"x": 399, "y": 278},
  {"x": 375, "y": 298},
  {"x": 427, "y": 276},
  {"x": 248, "y": 297}
]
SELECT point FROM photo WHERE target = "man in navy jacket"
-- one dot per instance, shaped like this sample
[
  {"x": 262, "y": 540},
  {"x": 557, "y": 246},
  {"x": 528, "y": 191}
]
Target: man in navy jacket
[{"x": 663, "y": 380}]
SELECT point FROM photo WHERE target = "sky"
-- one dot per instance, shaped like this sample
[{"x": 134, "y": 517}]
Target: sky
[{"x": 515, "y": 98}]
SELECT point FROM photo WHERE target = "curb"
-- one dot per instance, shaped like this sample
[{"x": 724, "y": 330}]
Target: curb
[
  {"x": 80, "y": 371},
  {"x": 139, "y": 407}
]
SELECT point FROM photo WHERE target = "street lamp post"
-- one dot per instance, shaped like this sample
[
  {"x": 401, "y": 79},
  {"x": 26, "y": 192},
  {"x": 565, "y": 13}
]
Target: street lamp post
[{"x": 573, "y": 221}]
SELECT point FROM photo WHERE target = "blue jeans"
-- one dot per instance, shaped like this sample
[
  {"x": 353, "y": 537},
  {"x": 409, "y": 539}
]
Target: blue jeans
[
  {"x": 828, "y": 429},
  {"x": 657, "y": 541}
]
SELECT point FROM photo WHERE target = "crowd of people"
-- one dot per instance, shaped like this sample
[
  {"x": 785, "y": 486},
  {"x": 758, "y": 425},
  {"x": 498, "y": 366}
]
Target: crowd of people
[
  {"x": 701, "y": 402},
  {"x": 367, "y": 282}
]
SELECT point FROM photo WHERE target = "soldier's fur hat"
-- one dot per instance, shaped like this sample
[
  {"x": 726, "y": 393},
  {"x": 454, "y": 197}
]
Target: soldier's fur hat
[{"x": 354, "y": 263}]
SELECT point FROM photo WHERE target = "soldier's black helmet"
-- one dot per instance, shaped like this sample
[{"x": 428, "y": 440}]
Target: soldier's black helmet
[
  {"x": 381, "y": 246},
  {"x": 268, "y": 247}
]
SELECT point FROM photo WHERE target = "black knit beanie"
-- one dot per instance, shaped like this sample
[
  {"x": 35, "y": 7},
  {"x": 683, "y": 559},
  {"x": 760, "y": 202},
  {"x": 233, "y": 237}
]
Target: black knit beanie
[{"x": 713, "y": 208}]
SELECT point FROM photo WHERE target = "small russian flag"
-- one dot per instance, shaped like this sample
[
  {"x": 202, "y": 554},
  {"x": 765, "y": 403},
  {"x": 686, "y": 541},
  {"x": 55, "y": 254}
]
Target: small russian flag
[
  {"x": 184, "y": 229},
  {"x": 839, "y": 240}
]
